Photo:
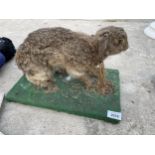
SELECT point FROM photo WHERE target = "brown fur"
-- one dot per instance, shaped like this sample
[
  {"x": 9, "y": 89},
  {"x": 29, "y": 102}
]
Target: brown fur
[{"x": 50, "y": 49}]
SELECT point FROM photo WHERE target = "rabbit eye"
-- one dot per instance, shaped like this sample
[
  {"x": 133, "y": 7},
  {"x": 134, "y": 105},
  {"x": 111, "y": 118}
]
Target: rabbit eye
[
  {"x": 106, "y": 34},
  {"x": 117, "y": 42}
]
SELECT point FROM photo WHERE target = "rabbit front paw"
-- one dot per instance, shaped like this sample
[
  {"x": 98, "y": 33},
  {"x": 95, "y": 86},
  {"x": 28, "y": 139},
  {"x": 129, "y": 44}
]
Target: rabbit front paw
[{"x": 106, "y": 89}]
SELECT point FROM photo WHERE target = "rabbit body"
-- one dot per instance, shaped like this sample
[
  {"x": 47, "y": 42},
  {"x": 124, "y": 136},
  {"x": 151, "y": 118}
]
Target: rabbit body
[{"x": 48, "y": 50}]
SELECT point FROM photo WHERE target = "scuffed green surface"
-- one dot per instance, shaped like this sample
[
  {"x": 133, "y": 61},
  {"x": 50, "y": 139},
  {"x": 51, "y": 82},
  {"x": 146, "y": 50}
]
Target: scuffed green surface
[{"x": 71, "y": 97}]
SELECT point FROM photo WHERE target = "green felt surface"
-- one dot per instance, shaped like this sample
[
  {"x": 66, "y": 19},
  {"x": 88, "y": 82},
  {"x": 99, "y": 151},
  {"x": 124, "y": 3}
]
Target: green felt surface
[{"x": 71, "y": 97}]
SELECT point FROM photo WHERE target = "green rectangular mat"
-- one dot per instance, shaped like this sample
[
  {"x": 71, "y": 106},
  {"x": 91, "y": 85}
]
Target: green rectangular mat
[{"x": 71, "y": 98}]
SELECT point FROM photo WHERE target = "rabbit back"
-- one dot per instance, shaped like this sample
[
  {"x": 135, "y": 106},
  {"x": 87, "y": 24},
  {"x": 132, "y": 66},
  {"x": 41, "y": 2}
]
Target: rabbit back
[{"x": 57, "y": 46}]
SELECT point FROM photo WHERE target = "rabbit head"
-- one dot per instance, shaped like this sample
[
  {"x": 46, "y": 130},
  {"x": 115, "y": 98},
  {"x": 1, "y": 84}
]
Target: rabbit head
[{"x": 111, "y": 40}]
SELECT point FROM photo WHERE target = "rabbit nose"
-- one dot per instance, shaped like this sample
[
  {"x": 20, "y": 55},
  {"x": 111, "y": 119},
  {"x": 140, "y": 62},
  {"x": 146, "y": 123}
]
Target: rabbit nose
[{"x": 126, "y": 46}]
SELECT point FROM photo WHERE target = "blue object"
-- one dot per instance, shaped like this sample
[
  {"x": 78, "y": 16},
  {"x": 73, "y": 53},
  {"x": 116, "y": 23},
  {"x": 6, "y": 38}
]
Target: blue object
[
  {"x": 2, "y": 59},
  {"x": 7, "y": 48}
]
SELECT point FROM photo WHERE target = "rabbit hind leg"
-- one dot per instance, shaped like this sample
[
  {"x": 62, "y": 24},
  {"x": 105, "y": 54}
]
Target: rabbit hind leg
[{"x": 42, "y": 78}]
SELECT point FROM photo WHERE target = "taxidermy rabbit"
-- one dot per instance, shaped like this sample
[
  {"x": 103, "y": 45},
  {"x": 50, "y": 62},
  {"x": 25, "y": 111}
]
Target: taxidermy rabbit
[{"x": 48, "y": 50}]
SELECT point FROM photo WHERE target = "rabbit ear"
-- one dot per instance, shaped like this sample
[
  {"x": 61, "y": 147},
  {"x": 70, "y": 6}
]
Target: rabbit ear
[{"x": 103, "y": 46}]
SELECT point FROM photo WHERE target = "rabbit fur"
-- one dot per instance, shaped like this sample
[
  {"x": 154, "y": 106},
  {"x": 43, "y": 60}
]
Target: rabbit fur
[{"x": 48, "y": 50}]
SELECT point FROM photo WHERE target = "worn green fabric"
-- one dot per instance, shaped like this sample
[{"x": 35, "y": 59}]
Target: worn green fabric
[{"x": 71, "y": 97}]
